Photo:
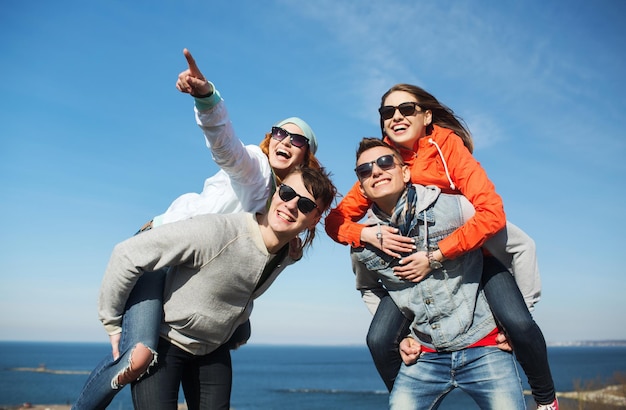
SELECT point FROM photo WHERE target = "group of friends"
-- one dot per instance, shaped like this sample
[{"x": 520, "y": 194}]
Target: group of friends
[{"x": 449, "y": 281}]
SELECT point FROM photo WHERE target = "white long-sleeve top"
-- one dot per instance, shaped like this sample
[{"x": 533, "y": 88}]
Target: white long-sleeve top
[{"x": 245, "y": 181}]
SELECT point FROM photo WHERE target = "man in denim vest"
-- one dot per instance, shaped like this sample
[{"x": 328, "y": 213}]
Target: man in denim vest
[{"x": 449, "y": 314}]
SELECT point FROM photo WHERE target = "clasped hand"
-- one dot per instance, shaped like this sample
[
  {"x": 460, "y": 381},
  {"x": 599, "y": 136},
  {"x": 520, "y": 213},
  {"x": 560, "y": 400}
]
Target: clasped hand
[
  {"x": 115, "y": 345},
  {"x": 414, "y": 267},
  {"x": 410, "y": 349}
]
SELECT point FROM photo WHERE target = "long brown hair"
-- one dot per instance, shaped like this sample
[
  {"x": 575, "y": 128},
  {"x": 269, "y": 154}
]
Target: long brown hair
[{"x": 442, "y": 115}]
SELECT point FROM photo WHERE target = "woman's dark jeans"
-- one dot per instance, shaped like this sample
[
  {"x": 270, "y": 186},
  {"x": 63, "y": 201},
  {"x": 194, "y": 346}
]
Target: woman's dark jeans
[
  {"x": 387, "y": 329},
  {"x": 206, "y": 380},
  {"x": 389, "y": 326},
  {"x": 509, "y": 309}
]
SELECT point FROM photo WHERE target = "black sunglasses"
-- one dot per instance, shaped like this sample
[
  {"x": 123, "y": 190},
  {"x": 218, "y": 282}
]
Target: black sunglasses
[
  {"x": 296, "y": 140},
  {"x": 305, "y": 205},
  {"x": 386, "y": 162},
  {"x": 406, "y": 109}
]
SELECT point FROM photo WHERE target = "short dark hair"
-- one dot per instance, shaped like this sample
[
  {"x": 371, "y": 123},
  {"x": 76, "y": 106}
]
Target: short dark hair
[
  {"x": 369, "y": 143},
  {"x": 317, "y": 181},
  {"x": 319, "y": 184}
]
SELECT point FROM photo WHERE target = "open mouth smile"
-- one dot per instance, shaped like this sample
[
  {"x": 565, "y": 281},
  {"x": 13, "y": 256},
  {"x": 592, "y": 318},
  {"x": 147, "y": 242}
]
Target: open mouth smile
[
  {"x": 285, "y": 216},
  {"x": 283, "y": 153},
  {"x": 380, "y": 182}
]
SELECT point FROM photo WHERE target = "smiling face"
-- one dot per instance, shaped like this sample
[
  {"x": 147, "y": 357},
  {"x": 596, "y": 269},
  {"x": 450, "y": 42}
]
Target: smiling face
[
  {"x": 405, "y": 131},
  {"x": 285, "y": 218},
  {"x": 283, "y": 156},
  {"x": 383, "y": 186}
]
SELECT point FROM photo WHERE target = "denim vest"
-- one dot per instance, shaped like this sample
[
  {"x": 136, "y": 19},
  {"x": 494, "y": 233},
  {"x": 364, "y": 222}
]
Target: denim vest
[{"x": 448, "y": 309}]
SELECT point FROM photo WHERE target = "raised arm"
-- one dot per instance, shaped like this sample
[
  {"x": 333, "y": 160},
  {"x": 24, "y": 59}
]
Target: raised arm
[{"x": 245, "y": 165}]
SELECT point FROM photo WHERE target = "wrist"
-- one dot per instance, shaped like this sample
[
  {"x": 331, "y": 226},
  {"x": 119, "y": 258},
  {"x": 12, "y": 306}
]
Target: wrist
[
  {"x": 208, "y": 101},
  {"x": 205, "y": 91},
  {"x": 434, "y": 261},
  {"x": 205, "y": 95},
  {"x": 438, "y": 255},
  {"x": 362, "y": 236}
]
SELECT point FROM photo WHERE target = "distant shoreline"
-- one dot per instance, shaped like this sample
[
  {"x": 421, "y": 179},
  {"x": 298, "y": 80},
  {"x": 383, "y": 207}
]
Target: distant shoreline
[
  {"x": 44, "y": 369},
  {"x": 572, "y": 343},
  {"x": 28, "y": 406},
  {"x": 612, "y": 395},
  {"x": 590, "y": 343}
]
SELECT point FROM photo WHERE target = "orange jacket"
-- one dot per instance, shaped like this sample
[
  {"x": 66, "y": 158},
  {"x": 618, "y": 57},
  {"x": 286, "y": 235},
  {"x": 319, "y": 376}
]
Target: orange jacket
[{"x": 454, "y": 170}]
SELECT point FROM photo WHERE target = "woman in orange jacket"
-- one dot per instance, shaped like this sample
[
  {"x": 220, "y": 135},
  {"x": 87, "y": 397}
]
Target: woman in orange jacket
[{"x": 438, "y": 147}]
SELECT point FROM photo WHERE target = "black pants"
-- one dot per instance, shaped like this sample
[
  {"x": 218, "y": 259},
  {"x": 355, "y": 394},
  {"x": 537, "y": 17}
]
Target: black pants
[{"x": 206, "y": 380}]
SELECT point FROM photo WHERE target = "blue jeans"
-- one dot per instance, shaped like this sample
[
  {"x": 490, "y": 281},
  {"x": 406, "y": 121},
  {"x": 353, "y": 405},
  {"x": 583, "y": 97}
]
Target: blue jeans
[
  {"x": 140, "y": 324},
  {"x": 524, "y": 335},
  {"x": 388, "y": 327},
  {"x": 487, "y": 374},
  {"x": 206, "y": 380}
]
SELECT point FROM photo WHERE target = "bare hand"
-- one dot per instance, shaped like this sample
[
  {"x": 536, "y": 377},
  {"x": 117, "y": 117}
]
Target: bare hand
[
  {"x": 115, "y": 345},
  {"x": 191, "y": 81},
  {"x": 503, "y": 342},
  {"x": 410, "y": 350},
  {"x": 387, "y": 240},
  {"x": 414, "y": 267}
]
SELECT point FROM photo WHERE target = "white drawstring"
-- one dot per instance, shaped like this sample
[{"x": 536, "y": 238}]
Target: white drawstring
[
  {"x": 445, "y": 165},
  {"x": 425, "y": 232}
]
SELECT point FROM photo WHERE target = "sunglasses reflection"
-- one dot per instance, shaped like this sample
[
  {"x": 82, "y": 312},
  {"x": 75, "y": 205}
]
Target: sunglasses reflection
[{"x": 296, "y": 140}]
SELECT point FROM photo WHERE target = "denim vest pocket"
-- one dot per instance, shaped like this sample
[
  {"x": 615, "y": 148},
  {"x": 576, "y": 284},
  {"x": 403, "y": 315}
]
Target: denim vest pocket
[
  {"x": 381, "y": 265},
  {"x": 375, "y": 261}
]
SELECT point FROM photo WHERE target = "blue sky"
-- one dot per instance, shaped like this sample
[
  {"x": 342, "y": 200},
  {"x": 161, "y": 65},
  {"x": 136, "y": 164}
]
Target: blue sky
[{"x": 96, "y": 140}]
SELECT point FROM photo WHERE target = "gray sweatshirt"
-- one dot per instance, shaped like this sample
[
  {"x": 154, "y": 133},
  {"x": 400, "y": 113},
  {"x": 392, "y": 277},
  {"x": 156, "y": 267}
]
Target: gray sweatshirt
[{"x": 215, "y": 261}]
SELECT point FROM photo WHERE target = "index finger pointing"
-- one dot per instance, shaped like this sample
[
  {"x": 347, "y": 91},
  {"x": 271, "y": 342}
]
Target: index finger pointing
[{"x": 193, "y": 68}]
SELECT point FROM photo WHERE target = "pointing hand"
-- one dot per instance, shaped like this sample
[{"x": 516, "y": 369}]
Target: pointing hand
[{"x": 191, "y": 81}]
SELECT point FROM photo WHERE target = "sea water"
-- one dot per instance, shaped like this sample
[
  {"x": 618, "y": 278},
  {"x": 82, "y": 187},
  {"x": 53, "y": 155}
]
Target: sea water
[{"x": 271, "y": 377}]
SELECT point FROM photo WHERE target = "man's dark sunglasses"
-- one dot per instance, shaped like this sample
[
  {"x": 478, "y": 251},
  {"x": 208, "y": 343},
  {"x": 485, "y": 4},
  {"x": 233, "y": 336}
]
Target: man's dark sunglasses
[
  {"x": 296, "y": 140},
  {"x": 386, "y": 162},
  {"x": 406, "y": 109},
  {"x": 305, "y": 205}
]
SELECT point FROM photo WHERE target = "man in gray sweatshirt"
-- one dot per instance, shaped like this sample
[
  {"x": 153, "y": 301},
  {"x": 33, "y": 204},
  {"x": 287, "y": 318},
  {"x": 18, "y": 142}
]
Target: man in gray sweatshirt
[{"x": 217, "y": 265}]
